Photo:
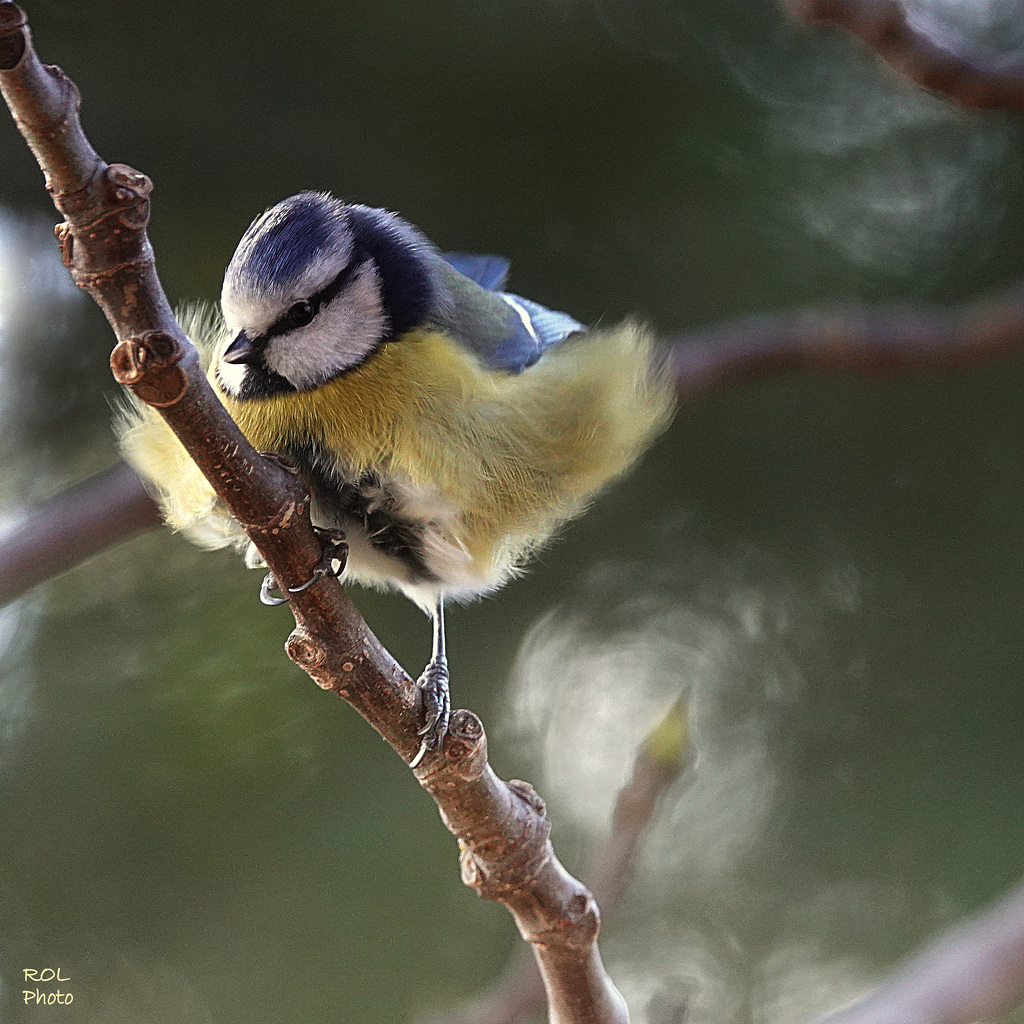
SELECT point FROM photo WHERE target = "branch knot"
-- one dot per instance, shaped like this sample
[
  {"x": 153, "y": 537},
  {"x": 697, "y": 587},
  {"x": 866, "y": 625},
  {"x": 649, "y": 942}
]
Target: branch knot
[
  {"x": 148, "y": 364},
  {"x": 498, "y": 869},
  {"x": 310, "y": 655},
  {"x": 465, "y": 749},
  {"x": 130, "y": 188},
  {"x": 578, "y": 926}
]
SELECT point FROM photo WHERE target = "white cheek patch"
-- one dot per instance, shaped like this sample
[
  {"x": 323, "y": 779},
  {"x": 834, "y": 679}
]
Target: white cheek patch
[
  {"x": 341, "y": 335},
  {"x": 231, "y": 377}
]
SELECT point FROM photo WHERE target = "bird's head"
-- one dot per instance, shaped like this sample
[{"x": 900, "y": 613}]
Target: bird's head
[{"x": 315, "y": 288}]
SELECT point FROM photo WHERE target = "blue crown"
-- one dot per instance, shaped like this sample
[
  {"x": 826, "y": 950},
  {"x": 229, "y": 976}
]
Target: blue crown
[{"x": 284, "y": 240}]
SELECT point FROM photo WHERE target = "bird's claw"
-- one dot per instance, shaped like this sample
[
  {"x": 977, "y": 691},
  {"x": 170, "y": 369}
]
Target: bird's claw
[
  {"x": 437, "y": 707},
  {"x": 268, "y": 598},
  {"x": 335, "y": 549},
  {"x": 285, "y": 462}
]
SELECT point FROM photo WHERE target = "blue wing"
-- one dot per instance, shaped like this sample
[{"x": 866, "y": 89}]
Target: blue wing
[
  {"x": 489, "y": 272},
  {"x": 539, "y": 329},
  {"x": 506, "y": 331}
]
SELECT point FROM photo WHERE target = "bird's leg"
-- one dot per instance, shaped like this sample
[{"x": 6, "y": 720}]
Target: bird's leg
[
  {"x": 335, "y": 549},
  {"x": 434, "y": 685}
]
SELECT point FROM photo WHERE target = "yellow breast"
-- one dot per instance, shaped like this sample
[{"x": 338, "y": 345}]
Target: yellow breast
[
  {"x": 508, "y": 456},
  {"x": 492, "y": 462}
]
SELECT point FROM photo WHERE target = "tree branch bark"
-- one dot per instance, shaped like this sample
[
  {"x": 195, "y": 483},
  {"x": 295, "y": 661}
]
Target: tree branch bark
[
  {"x": 973, "y": 972},
  {"x": 71, "y": 527},
  {"x": 663, "y": 756},
  {"x": 502, "y": 828},
  {"x": 883, "y": 26}
]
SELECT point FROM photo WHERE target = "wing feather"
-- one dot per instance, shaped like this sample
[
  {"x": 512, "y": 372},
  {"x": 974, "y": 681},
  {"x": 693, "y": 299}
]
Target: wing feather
[
  {"x": 489, "y": 272},
  {"x": 506, "y": 331}
]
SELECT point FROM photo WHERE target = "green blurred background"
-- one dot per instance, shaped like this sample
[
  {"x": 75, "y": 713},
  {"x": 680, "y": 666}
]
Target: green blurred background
[{"x": 832, "y": 565}]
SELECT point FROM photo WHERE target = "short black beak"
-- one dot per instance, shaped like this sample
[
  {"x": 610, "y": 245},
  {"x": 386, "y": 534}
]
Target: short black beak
[{"x": 241, "y": 350}]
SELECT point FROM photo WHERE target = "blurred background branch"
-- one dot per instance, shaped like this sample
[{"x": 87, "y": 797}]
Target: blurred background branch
[
  {"x": 884, "y": 340},
  {"x": 959, "y": 75},
  {"x": 974, "y": 971},
  {"x": 72, "y": 526}
]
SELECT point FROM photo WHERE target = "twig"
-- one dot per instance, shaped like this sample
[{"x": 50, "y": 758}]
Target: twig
[
  {"x": 662, "y": 757},
  {"x": 884, "y": 340},
  {"x": 883, "y": 25},
  {"x": 501, "y": 828},
  {"x": 71, "y": 527},
  {"x": 973, "y": 972}
]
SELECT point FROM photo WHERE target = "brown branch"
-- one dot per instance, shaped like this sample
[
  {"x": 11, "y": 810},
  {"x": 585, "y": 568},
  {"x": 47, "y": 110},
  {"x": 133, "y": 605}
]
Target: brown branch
[
  {"x": 885, "y": 340},
  {"x": 502, "y": 829},
  {"x": 883, "y": 26},
  {"x": 973, "y": 972},
  {"x": 664, "y": 754},
  {"x": 71, "y": 527}
]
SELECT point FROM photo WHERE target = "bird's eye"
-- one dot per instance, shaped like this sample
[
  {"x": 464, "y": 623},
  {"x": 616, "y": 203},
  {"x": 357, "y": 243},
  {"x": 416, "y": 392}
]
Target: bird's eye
[{"x": 300, "y": 314}]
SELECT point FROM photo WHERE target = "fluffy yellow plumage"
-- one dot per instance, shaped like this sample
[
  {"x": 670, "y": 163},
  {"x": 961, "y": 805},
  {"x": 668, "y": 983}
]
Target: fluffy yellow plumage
[{"x": 495, "y": 462}]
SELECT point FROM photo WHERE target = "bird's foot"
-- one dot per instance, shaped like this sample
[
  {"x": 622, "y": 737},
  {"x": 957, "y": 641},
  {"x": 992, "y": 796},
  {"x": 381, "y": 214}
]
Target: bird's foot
[
  {"x": 437, "y": 707},
  {"x": 335, "y": 549}
]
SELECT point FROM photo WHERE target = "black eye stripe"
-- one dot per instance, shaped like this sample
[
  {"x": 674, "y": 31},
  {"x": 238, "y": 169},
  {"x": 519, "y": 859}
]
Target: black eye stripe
[{"x": 283, "y": 324}]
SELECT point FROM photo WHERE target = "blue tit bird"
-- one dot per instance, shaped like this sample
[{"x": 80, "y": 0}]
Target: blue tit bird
[{"x": 446, "y": 426}]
